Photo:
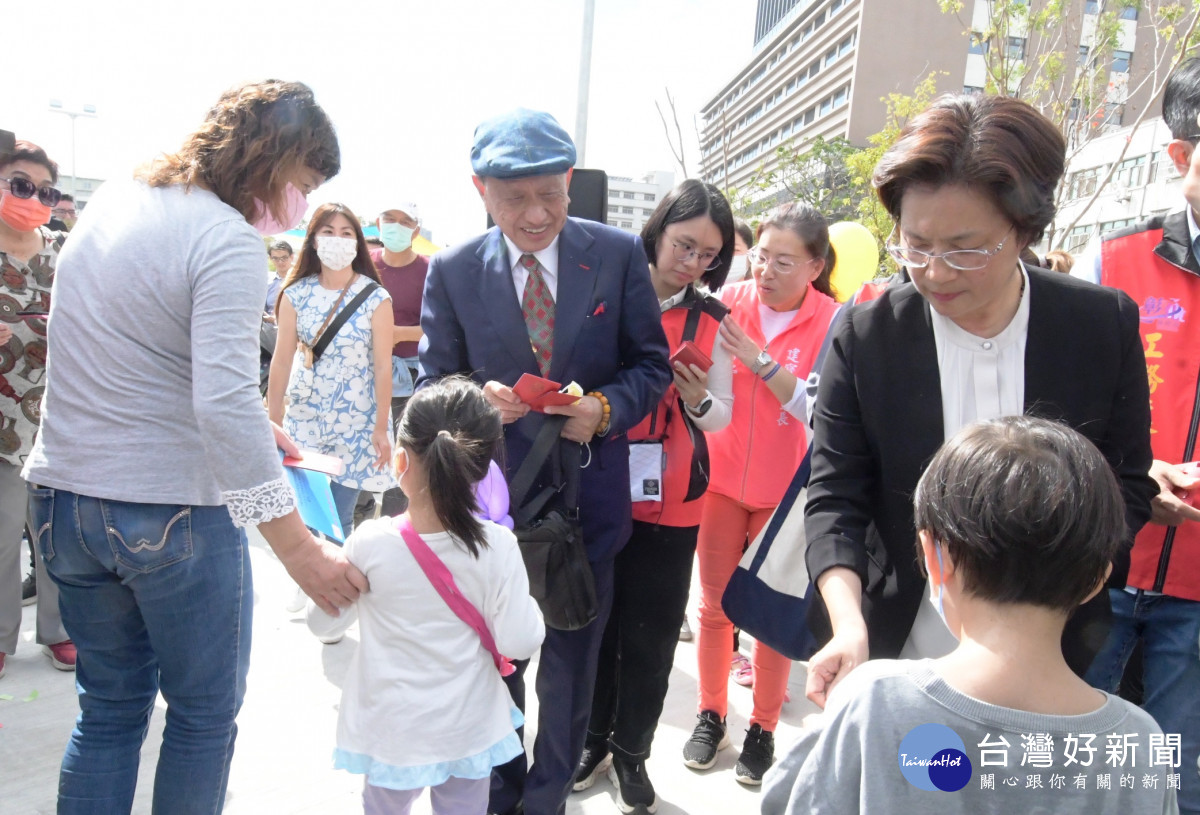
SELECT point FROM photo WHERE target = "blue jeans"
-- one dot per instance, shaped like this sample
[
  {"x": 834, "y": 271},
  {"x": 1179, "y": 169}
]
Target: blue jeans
[
  {"x": 344, "y": 499},
  {"x": 156, "y": 598},
  {"x": 1169, "y": 629}
]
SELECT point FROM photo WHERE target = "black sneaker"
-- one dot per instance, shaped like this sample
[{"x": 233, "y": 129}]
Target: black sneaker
[
  {"x": 29, "y": 590},
  {"x": 758, "y": 754},
  {"x": 635, "y": 793},
  {"x": 700, "y": 751},
  {"x": 592, "y": 764}
]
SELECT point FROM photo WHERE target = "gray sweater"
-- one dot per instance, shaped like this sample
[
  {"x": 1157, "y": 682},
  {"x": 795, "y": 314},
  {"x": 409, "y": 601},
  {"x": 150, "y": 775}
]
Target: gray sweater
[
  {"x": 152, "y": 370},
  {"x": 851, "y": 762}
]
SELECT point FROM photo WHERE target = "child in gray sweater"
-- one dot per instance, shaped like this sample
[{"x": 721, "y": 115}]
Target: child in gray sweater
[{"x": 1018, "y": 520}]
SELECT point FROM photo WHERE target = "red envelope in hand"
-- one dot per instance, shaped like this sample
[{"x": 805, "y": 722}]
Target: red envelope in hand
[
  {"x": 690, "y": 354},
  {"x": 540, "y": 393}
]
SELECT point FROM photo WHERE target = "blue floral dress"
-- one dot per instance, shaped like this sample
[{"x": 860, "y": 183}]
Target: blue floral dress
[{"x": 337, "y": 416}]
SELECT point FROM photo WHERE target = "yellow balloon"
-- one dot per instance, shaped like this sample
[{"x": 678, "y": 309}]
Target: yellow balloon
[{"x": 857, "y": 258}]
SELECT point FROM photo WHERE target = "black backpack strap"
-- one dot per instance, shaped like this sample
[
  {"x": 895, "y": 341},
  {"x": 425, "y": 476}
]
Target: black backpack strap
[
  {"x": 340, "y": 320},
  {"x": 698, "y": 477}
]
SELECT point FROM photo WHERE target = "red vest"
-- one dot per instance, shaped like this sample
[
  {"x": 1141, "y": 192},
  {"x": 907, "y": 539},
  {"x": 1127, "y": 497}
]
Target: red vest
[
  {"x": 755, "y": 457},
  {"x": 1165, "y": 559},
  {"x": 666, "y": 423}
]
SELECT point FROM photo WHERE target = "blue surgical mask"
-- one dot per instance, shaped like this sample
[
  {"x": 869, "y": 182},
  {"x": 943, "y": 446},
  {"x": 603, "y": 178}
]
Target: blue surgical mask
[
  {"x": 396, "y": 237},
  {"x": 938, "y": 604}
]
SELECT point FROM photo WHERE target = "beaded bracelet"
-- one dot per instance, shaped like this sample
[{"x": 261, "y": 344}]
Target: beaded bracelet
[
  {"x": 606, "y": 417},
  {"x": 774, "y": 371}
]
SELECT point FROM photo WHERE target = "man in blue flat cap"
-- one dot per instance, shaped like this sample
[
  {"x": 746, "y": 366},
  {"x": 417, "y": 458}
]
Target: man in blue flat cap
[{"x": 570, "y": 301}]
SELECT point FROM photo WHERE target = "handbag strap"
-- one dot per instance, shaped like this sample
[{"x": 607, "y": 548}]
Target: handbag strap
[
  {"x": 786, "y": 506},
  {"x": 698, "y": 475},
  {"x": 327, "y": 335},
  {"x": 543, "y": 444},
  {"x": 443, "y": 583}
]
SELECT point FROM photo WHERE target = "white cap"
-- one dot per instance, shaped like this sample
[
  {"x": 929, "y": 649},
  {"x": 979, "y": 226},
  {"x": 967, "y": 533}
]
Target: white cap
[{"x": 407, "y": 207}]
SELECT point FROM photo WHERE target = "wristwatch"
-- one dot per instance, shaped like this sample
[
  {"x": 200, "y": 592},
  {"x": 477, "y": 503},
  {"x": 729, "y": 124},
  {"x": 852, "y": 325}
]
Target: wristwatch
[
  {"x": 761, "y": 361},
  {"x": 699, "y": 410}
]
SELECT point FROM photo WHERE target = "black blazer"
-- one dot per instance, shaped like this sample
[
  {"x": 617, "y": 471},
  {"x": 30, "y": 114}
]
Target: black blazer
[{"x": 878, "y": 422}]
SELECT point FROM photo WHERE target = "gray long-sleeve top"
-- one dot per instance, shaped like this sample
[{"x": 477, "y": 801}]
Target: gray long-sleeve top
[{"x": 152, "y": 369}]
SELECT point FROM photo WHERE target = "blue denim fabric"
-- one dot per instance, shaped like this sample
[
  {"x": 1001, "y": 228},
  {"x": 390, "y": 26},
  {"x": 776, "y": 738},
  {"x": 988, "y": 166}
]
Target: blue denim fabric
[
  {"x": 402, "y": 379},
  {"x": 1169, "y": 628},
  {"x": 344, "y": 499},
  {"x": 156, "y": 598}
]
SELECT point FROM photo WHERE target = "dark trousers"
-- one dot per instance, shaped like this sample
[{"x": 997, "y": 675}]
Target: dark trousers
[
  {"x": 566, "y": 672},
  {"x": 652, "y": 577}
]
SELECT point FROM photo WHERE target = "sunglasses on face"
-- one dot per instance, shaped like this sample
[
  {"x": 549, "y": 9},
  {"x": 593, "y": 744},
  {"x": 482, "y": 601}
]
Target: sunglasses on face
[{"x": 24, "y": 188}]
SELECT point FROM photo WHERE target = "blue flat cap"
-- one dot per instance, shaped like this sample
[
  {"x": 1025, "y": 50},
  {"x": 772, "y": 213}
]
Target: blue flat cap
[{"x": 521, "y": 143}]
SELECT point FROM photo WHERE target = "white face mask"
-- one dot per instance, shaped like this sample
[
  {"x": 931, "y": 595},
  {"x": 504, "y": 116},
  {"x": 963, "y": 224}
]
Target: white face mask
[
  {"x": 737, "y": 269},
  {"x": 336, "y": 253}
]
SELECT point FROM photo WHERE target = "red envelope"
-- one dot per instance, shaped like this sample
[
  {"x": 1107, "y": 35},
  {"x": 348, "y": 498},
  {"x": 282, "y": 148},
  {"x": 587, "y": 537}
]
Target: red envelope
[
  {"x": 690, "y": 354},
  {"x": 312, "y": 460},
  {"x": 540, "y": 393}
]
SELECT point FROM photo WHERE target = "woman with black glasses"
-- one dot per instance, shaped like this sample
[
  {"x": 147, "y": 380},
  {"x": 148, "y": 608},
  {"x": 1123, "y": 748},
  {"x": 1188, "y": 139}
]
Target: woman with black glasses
[
  {"x": 972, "y": 335},
  {"x": 28, "y": 256}
]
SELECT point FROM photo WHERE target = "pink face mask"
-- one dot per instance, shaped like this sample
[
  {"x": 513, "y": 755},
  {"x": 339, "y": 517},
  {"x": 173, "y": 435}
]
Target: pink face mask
[{"x": 295, "y": 204}]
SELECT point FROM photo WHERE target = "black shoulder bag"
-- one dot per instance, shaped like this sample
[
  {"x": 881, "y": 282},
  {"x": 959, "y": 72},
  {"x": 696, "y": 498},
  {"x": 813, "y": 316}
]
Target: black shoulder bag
[
  {"x": 345, "y": 314},
  {"x": 549, "y": 532}
]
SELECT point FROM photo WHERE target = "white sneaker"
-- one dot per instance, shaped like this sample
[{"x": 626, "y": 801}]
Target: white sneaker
[
  {"x": 298, "y": 602},
  {"x": 331, "y": 640}
]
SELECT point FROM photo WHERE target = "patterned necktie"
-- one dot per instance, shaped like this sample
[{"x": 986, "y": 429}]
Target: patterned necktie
[{"x": 538, "y": 305}]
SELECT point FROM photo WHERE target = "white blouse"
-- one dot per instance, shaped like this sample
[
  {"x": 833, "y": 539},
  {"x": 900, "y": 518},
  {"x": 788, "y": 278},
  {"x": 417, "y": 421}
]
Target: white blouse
[{"x": 980, "y": 379}]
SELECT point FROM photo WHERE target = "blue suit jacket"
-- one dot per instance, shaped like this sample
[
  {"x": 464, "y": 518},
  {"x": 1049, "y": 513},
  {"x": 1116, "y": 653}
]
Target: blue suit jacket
[{"x": 607, "y": 336}]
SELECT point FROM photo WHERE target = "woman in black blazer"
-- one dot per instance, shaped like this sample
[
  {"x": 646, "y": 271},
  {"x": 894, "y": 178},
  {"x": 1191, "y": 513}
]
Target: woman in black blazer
[{"x": 973, "y": 335}]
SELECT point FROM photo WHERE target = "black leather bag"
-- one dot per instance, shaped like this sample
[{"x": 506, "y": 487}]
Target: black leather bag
[{"x": 550, "y": 535}]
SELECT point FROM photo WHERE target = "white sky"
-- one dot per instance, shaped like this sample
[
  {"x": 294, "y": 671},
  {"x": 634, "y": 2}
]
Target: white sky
[{"x": 404, "y": 81}]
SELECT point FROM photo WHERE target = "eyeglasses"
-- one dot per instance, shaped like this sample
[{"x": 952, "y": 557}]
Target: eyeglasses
[
  {"x": 963, "y": 260},
  {"x": 782, "y": 264},
  {"x": 280, "y": 258},
  {"x": 24, "y": 188},
  {"x": 684, "y": 254},
  {"x": 59, "y": 212}
]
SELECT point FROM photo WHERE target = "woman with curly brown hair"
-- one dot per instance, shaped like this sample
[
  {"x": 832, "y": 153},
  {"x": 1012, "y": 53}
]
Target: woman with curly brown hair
[{"x": 155, "y": 451}]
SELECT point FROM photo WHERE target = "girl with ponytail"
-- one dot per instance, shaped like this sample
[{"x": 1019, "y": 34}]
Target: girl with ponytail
[{"x": 424, "y": 704}]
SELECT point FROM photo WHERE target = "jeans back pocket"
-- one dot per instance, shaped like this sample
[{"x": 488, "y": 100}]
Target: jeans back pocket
[
  {"x": 145, "y": 537},
  {"x": 41, "y": 520}
]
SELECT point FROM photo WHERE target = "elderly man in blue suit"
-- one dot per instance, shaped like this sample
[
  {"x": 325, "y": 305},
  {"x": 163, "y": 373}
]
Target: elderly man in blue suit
[{"x": 568, "y": 300}]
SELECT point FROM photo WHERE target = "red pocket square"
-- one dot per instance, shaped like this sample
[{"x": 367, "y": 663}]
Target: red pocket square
[{"x": 599, "y": 310}]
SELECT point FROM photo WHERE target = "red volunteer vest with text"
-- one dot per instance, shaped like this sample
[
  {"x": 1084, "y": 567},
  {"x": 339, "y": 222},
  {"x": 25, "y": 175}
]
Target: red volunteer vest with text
[
  {"x": 1164, "y": 559},
  {"x": 666, "y": 423},
  {"x": 755, "y": 457}
]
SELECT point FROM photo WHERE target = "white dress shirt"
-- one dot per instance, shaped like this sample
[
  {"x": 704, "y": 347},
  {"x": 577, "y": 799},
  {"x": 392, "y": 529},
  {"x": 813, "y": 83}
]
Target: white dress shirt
[
  {"x": 980, "y": 379},
  {"x": 548, "y": 257}
]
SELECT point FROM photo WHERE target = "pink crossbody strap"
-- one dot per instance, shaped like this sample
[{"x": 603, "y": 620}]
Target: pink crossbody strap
[{"x": 444, "y": 583}]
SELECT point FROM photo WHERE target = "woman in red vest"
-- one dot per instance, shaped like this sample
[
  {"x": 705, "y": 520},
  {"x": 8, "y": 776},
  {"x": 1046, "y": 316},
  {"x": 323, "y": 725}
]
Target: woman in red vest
[
  {"x": 776, "y": 324},
  {"x": 689, "y": 242}
]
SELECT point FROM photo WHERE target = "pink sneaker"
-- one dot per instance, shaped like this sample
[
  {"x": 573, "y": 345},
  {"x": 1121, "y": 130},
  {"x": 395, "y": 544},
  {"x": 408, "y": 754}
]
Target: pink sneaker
[
  {"x": 741, "y": 671},
  {"x": 62, "y": 655}
]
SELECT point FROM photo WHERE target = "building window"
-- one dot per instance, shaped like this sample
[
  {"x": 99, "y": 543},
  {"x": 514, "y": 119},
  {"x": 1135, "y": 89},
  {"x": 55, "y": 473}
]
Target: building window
[
  {"x": 647, "y": 196},
  {"x": 1091, "y": 7},
  {"x": 830, "y": 56},
  {"x": 647, "y": 212},
  {"x": 1129, "y": 13},
  {"x": 626, "y": 224},
  {"x": 627, "y": 195},
  {"x": 1131, "y": 172},
  {"x": 1121, "y": 223},
  {"x": 976, "y": 44},
  {"x": 1121, "y": 60},
  {"x": 614, "y": 209},
  {"x": 1073, "y": 115},
  {"x": 1078, "y": 238},
  {"x": 626, "y": 210},
  {"x": 1083, "y": 56},
  {"x": 972, "y": 89},
  {"x": 1016, "y": 48}
]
